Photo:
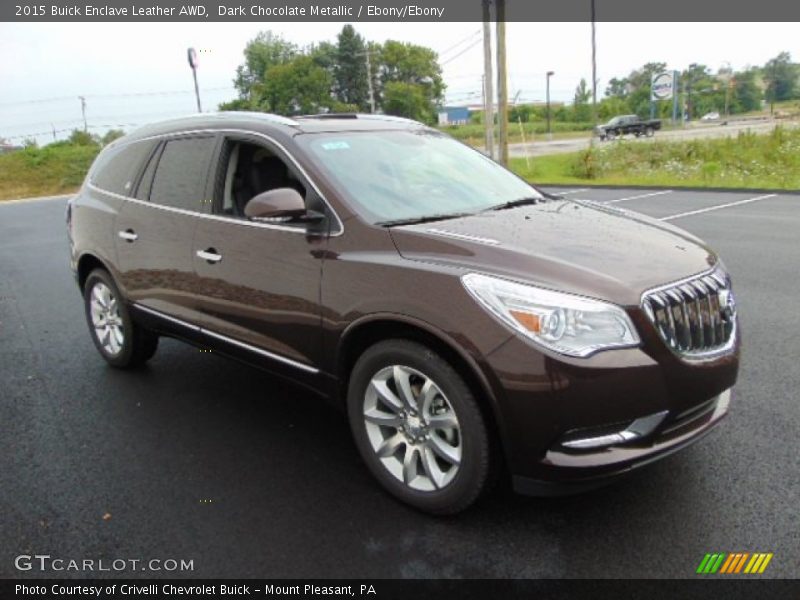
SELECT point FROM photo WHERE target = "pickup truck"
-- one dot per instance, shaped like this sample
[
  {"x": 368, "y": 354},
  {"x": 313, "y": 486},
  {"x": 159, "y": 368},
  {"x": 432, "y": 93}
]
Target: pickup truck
[{"x": 625, "y": 124}]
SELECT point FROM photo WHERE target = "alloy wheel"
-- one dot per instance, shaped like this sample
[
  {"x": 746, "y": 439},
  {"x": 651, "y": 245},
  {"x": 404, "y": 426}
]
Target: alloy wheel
[
  {"x": 106, "y": 319},
  {"x": 413, "y": 428}
]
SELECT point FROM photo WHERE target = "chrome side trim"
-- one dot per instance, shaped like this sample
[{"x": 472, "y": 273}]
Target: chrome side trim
[
  {"x": 266, "y": 137},
  {"x": 158, "y": 313},
  {"x": 229, "y": 340},
  {"x": 639, "y": 428}
]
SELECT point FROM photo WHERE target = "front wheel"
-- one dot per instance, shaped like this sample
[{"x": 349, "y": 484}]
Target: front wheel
[
  {"x": 649, "y": 132},
  {"x": 120, "y": 341},
  {"x": 418, "y": 427}
]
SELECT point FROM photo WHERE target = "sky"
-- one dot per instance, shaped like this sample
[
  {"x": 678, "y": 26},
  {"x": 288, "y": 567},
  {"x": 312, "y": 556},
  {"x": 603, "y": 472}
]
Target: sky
[{"x": 134, "y": 73}]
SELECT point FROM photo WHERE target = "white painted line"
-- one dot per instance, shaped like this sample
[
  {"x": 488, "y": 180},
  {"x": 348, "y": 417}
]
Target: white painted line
[
  {"x": 717, "y": 207},
  {"x": 35, "y": 199},
  {"x": 568, "y": 192},
  {"x": 639, "y": 197}
]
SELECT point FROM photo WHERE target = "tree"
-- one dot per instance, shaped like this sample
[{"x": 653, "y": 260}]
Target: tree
[
  {"x": 264, "y": 51},
  {"x": 408, "y": 100},
  {"x": 350, "y": 74},
  {"x": 78, "y": 137},
  {"x": 401, "y": 62},
  {"x": 780, "y": 75},
  {"x": 580, "y": 104},
  {"x": 618, "y": 88},
  {"x": 640, "y": 81},
  {"x": 296, "y": 87},
  {"x": 746, "y": 95}
]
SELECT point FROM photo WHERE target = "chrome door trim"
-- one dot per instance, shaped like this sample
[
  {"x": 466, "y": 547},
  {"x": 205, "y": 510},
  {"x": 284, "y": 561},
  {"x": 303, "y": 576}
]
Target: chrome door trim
[{"x": 224, "y": 338}]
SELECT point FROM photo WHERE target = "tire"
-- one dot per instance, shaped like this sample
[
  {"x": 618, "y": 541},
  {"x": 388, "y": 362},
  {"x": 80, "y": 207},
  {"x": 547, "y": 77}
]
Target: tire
[
  {"x": 649, "y": 132},
  {"x": 611, "y": 135},
  {"x": 439, "y": 470},
  {"x": 120, "y": 341}
]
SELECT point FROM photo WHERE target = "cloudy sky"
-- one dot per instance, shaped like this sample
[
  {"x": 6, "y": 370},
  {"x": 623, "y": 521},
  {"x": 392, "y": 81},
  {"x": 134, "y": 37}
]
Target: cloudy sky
[{"x": 136, "y": 73}]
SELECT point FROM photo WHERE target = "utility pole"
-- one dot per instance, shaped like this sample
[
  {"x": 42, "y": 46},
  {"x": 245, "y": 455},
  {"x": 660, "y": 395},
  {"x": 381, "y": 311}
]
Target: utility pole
[
  {"x": 83, "y": 111},
  {"x": 488, "y": 98},
  {"x": 549, "y": 128},
  {"x": 502, "y": 81},
  {"x": 54, "y": 131},
  {"x": 594, "y": 70}
]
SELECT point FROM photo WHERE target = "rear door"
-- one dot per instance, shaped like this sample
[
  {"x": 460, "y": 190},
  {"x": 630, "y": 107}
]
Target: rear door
[{"x": 155, "y": 228}]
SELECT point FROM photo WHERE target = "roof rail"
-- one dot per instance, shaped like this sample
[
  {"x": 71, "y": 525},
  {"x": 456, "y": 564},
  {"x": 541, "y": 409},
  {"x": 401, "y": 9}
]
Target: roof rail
[{"x": 331, "y": 116}]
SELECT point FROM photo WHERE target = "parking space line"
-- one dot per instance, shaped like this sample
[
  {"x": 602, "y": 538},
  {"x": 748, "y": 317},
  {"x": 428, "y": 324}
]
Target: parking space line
[
  {"x": 717, "y": 207},
  {"x": 640, "y": 196},
  {"x": 571, "y": 192}
]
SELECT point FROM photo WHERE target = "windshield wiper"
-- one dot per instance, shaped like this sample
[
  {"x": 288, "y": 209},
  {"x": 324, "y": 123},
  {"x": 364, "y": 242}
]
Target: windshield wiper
[
  {"x": 424, "y": 219},
  {"x": 517, "y": 202}
]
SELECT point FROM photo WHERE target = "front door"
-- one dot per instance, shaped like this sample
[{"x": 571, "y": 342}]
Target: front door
[{"x": 260, "y": 282}]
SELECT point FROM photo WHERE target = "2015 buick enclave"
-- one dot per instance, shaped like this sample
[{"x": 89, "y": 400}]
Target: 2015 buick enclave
[{"x": 470, "y": 324}]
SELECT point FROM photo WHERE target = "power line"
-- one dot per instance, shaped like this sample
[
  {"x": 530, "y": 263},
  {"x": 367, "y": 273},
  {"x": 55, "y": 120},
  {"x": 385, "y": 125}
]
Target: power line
[
  {"x": 120, "y": 95},
  {"x": 457, "y": 44},
  {"x": 470, "y": 47}
]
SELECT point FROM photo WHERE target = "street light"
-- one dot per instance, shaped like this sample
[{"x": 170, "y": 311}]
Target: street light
[{"x": 549, "y": 129}]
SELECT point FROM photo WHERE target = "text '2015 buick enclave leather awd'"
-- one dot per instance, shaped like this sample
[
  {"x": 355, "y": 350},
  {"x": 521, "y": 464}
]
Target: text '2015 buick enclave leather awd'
[{"x": 469, "y": 324}]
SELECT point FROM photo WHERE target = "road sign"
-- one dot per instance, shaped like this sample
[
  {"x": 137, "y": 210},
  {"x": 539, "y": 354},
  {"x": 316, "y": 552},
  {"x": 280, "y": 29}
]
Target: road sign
[
  {"x": 662, "y": 86},
  {"x": 191, "y": 54}
]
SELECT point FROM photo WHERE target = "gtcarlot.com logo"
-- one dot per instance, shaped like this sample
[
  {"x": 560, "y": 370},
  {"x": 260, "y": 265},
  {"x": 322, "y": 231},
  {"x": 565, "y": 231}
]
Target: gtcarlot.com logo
[
  {"x": 734, "y": 563},
  {"x": 45, "y": 562}
]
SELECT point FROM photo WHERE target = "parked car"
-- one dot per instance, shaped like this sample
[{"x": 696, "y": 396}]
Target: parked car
[
  {"x": 470, "y": 325},
  {"x": 712, "y": 116},
  {"x": 627, "y": 124}
]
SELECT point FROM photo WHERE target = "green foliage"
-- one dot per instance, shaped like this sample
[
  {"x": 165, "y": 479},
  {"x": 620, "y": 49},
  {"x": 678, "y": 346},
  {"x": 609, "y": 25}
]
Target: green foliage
[
  {"x": 53, "y": 169},
  {"x": 296, "y": 87},
  {"x": 264, "y": 51},
  {"x": 746, "y": 160},
  {"x": 278, "y": 77},
  {"x": 408, "y": 100},
  {"x": 82, "y": 138},
  {"x": 111, "y": 135},
  {"x": 349, "y": 69},
  {"x": 780, "y": 75}
]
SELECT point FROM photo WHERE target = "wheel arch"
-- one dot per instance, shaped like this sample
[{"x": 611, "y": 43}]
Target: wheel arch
[{"x": 86, "y": 264}]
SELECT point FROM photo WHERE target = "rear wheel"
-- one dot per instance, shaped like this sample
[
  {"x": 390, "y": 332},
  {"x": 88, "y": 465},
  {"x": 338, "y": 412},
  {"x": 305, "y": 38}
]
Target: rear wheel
[
  {"x": 418, "y": 427},
  {"x": 120, "y": 341},
  {"x": 649, "y": 132}
]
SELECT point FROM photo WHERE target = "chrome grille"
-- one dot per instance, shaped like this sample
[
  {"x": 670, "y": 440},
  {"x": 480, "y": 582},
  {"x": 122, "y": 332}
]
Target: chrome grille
[{"x": 695, "y": 317}]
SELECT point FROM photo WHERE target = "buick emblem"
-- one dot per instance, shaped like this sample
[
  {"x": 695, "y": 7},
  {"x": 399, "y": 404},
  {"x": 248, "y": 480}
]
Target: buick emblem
[{"x": 727, "y": 305}]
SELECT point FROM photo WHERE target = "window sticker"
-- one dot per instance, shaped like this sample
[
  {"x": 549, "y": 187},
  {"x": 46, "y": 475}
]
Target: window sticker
[{"x": 336, "y": 146}]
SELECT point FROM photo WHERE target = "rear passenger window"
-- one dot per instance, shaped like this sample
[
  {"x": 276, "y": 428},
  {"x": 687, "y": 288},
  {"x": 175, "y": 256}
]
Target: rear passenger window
[
  {"x": 146, "y": 183},
  {"x": 118, "y": 167},
  {"x": 180, "y": 180}
]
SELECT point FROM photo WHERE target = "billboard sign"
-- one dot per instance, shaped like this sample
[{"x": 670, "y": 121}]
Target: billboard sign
[{"x": 662, "y": 86}]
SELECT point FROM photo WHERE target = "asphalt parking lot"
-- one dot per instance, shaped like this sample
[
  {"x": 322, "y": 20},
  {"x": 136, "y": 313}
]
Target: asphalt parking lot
[{"x": 197, "y": 457}]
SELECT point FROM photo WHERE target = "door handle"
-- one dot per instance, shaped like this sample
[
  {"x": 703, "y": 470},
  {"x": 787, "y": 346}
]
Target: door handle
[
  {"x": 128, "y": 235},
  {"x": 209, "y": 255}
]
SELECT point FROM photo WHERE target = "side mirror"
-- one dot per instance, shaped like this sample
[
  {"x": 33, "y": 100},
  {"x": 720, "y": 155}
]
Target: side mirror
[{"x": 280, "y": 203}]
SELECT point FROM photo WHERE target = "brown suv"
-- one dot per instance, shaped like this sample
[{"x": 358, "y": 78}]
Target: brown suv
[{"x": 469, "y": 323}]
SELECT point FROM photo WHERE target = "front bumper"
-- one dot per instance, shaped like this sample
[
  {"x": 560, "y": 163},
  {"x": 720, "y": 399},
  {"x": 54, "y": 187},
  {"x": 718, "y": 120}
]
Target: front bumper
[
  {"x": 572, "y": 424},
  {"x": 672, "y": 435}
]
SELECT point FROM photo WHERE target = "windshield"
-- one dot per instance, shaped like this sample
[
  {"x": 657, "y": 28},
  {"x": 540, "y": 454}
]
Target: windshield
[{"x": 394, "y": 176}]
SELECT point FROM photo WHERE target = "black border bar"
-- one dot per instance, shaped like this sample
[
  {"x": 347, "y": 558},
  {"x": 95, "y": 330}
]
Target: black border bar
[
  {"x": 265, "y": 11},
  {"x": 700, "y": 587}
]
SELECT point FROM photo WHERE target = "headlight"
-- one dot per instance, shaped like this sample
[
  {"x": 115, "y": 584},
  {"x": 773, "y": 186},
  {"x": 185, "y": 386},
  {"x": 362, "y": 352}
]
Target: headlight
[{"x": 564, "y": 323}]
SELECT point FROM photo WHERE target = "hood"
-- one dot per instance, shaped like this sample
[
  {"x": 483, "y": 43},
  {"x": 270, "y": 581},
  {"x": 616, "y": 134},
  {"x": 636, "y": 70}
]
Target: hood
[{"x": 573, "y": 246}]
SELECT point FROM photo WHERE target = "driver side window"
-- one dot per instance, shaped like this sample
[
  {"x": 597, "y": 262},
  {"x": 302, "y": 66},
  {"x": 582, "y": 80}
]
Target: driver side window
[{"x": 247, "y": 170}]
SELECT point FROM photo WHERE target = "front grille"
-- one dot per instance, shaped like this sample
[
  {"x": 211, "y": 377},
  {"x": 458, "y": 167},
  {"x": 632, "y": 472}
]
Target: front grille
[{"x": 695, "y": 317}]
